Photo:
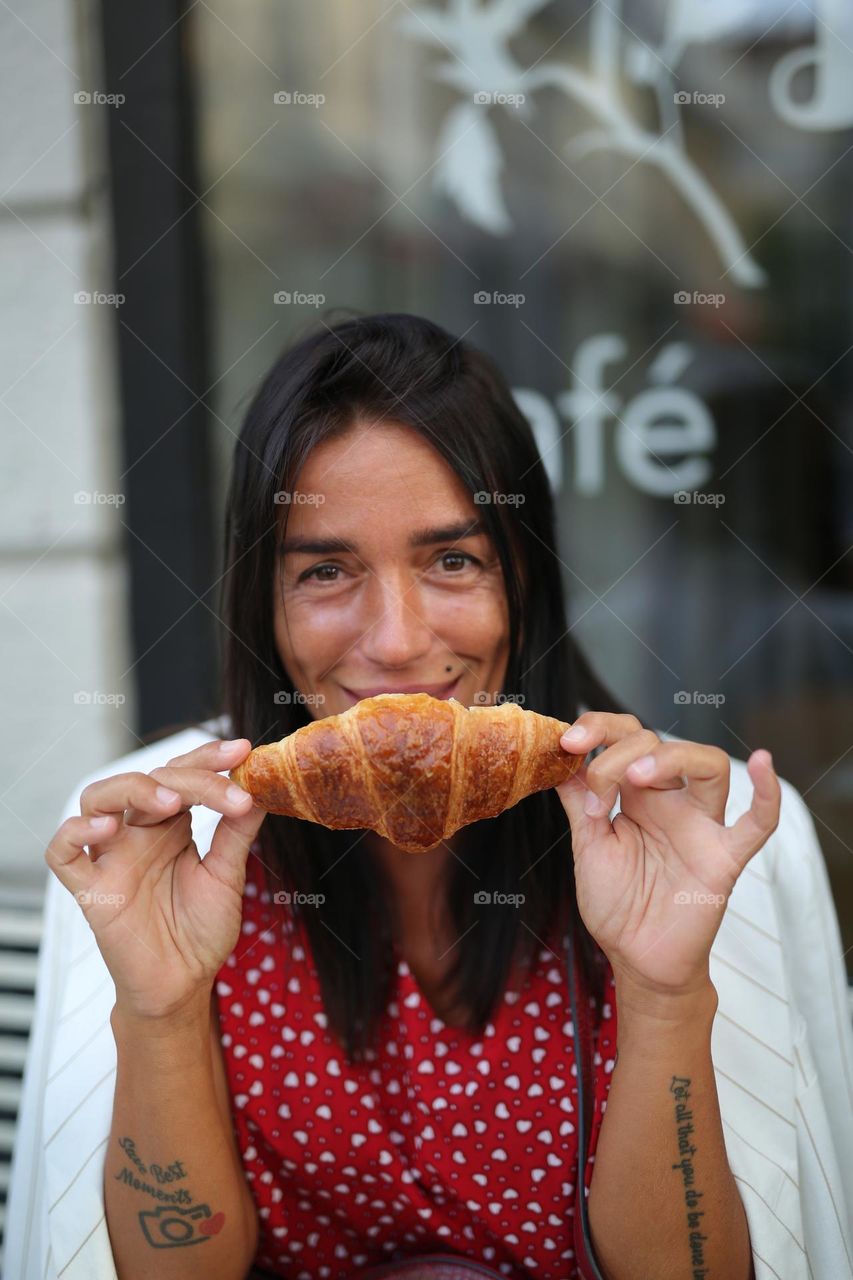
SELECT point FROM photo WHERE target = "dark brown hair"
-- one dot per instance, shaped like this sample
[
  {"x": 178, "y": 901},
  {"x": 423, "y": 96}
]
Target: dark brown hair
[{"x": 407, "y": 370}]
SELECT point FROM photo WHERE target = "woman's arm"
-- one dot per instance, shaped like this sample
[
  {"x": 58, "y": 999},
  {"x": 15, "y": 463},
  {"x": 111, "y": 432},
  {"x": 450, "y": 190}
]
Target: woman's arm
[
  {"x": 176, "y": 1197},
  {"x": 663, "y": 1201}
]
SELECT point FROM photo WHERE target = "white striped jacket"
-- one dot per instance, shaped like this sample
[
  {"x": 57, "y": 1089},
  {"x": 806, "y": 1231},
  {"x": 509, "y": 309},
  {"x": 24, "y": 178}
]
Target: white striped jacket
[{"x": 782, "y": 1049}]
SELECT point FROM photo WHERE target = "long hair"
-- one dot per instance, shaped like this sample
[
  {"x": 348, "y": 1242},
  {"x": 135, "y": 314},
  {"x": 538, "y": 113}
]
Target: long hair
[{"x": 406, "y": 370}]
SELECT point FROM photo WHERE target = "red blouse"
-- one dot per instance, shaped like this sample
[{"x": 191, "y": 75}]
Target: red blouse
[{"x": 441, "y": 1141}]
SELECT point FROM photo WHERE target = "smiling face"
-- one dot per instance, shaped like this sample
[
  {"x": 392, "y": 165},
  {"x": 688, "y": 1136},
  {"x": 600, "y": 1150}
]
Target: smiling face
[{"x": 378, "y": 587}]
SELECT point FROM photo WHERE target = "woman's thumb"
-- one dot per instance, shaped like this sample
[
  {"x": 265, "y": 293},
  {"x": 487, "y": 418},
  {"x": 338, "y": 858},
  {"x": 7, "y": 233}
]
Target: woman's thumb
[
  {"x": 230, "y": 845},
  {"x": 574, "y": 794}
]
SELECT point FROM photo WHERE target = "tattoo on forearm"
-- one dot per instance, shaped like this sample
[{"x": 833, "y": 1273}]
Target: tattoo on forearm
[
  {"x": 680, "y": 1087},
  {"x": 177, "y": 1221}
]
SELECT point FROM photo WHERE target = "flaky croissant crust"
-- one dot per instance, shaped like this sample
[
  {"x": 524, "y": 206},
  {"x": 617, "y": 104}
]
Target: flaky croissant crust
[{"x": 411, "y": 767}]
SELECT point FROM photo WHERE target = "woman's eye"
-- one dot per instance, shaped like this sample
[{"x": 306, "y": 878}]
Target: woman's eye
[
  {"x": 458, "y": 560},
  {"x": 320, "y": 570},
  {"x": 452, "y": 561}
]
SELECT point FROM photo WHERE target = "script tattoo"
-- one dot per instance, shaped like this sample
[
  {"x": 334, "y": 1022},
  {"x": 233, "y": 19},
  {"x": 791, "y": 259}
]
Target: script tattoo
[
  {"x": 684, "y": 1127},
  {"x": 176, "y": 1221}
]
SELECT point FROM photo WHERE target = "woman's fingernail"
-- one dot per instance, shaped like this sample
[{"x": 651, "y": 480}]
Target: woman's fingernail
[
  {"x": 236, "y": 794},
  {"x": 166, "y": 796},
  {"x": 577, "y": 734},
  {"x": 100, "y": 822},
  {"x": 644, "y": 767},
  {"x": 593, "y": 805},
  {"x": 230, "y": 745}
]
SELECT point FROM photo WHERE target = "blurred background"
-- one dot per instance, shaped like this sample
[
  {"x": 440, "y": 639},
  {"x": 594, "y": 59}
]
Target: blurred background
[{"x": 642, "y": 209}]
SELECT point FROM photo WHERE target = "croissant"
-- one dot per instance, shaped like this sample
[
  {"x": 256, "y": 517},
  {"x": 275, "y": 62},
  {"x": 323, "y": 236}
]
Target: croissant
[{"x": 408, "y": 766}]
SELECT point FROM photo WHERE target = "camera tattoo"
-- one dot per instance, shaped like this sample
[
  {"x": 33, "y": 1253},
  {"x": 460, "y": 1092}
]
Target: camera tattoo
[{"x": 177, "y": 1221}]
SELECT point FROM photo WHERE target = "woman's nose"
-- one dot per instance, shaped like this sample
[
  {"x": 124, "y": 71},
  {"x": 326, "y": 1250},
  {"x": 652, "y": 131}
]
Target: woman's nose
[{"x": 396, "y": 631}]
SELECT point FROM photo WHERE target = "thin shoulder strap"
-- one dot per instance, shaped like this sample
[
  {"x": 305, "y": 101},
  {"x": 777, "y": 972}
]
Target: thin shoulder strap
[{"x": 579, "y": 1001}]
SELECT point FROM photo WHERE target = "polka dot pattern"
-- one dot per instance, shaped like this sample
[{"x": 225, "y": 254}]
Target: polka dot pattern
[{"x": 440, "y": 1141}]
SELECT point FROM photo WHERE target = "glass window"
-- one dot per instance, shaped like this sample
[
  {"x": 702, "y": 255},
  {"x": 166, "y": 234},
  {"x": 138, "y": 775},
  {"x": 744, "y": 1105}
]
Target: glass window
[{"x": 643, "y": 212}]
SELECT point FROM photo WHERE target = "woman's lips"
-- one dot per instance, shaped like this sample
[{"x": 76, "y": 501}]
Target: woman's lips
[{"x": 436, "y": 690}]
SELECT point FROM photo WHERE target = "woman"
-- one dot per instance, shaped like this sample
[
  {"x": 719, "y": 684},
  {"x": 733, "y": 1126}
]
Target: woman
[{"x": 320, "y": 1065}]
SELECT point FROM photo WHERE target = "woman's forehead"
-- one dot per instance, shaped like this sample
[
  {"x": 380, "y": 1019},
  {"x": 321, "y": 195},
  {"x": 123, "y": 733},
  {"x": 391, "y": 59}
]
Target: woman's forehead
[
  {"x": 382, "y": 451},
  {"x": 385, "y": 475}
]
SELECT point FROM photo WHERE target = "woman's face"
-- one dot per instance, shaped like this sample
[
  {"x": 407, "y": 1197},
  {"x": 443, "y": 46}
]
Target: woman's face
[{"x": 380, "y": 588}]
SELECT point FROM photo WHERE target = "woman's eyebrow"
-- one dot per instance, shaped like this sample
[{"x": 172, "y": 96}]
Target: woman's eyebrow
[{"x": 420, "y": 538}]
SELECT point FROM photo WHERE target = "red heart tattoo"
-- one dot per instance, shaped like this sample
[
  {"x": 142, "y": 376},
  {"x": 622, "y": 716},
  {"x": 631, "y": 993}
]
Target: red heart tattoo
[{"x": 211, "y": 1226}]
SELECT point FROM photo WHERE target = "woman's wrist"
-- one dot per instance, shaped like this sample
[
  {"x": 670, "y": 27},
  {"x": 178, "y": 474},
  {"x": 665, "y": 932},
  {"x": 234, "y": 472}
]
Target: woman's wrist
[
  {"x": 178, "y": 1034},
  {"x": 639, "y": 1003}
]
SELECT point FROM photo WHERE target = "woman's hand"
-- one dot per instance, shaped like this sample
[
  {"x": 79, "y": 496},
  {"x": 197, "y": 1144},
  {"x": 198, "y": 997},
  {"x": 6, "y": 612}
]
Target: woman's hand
[
  {"x": 652, "y": 885},
  {"x": 164, "y": 919}
]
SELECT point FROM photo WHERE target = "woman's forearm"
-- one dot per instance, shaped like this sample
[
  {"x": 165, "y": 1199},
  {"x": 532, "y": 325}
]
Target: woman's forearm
[
  {"x": 663, "y": 1201},
  {"x": 176, "y": 1199}
]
